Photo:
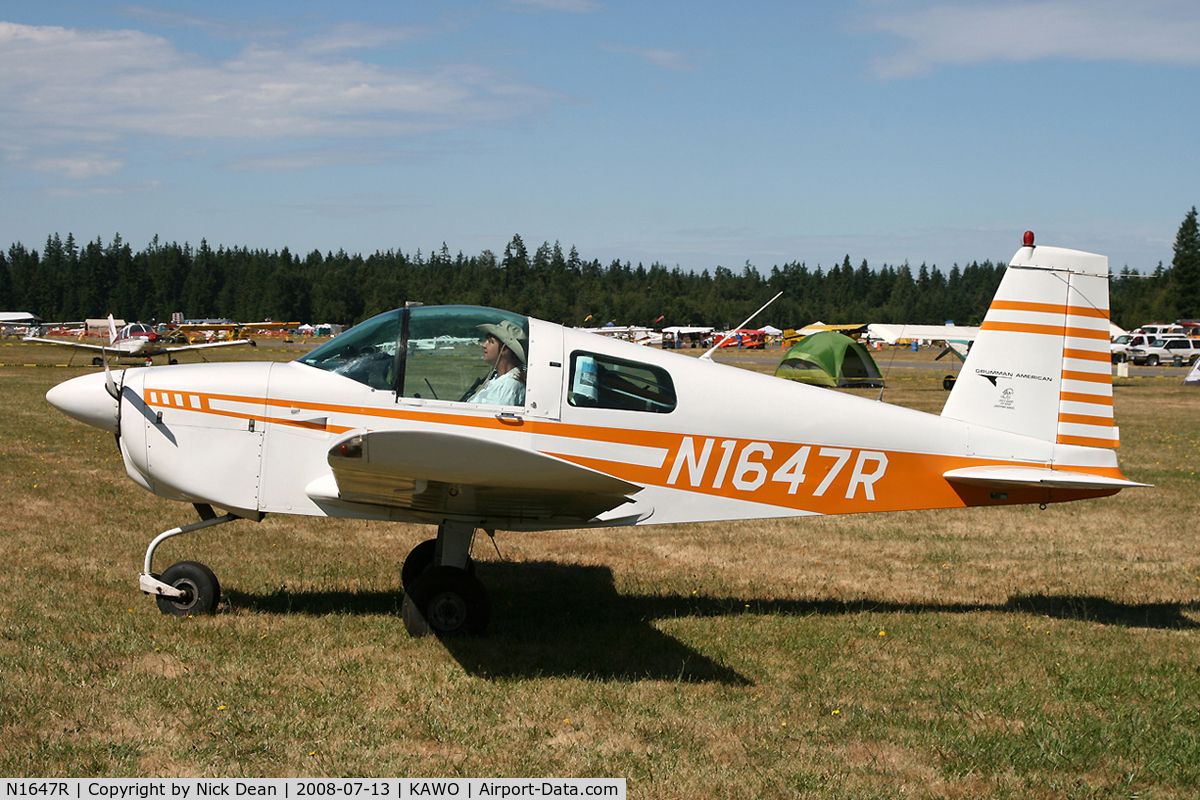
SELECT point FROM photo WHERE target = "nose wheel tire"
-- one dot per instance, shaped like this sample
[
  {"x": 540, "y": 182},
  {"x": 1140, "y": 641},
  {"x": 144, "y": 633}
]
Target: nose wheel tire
[
  {"x": 201, "y": 591},
  {"x": 446, "y": 601}
]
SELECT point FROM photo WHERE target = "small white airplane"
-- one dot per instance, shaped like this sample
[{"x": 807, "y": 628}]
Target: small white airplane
[
  {"x": 959, "y": 334},
  {"x": 136, "y": 341},
  {"x": 574, "y": 430}
]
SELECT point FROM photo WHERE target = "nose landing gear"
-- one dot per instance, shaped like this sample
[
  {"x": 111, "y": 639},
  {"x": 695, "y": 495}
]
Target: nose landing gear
[{"x": 189, "y": 588}]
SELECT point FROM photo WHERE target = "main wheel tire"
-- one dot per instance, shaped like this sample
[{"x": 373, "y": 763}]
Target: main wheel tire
[
  {"x": 419, "y": 559},
  {"x": 446, "y": 601},
  {"x": 948, "y": 382},
  {"x": 201, "y": 590}
]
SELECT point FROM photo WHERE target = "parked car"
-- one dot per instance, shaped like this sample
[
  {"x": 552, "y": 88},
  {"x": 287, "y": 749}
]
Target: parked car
[
  {"x": 1121, "y": 346},
  {"x": 1164, "y": 351}
]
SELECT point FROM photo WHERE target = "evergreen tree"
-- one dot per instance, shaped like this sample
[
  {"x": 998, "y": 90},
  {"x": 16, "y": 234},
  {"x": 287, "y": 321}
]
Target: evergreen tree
[{"x": 1185, "y": 268}]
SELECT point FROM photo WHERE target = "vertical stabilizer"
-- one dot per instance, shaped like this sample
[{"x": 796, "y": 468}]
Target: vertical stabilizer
[{"x": 1041, "y": 363}]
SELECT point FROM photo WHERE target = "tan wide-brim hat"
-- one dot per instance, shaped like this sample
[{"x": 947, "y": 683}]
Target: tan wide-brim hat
[{"x": 509, "y": 334}]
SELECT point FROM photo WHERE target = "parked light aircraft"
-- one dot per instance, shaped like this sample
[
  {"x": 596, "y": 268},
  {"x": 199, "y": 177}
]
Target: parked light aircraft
[
  {"x": 236, "y": 330},
  {"x": 957, "y": 334},
  {"x": 607, "y": 433},
  {"x": 958, "y": 339},
  {"x": 137, "y": 341}
]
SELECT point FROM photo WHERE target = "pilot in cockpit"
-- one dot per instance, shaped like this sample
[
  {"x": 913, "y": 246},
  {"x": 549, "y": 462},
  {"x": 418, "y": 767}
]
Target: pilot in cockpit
[{"x": 504, "y": 352}]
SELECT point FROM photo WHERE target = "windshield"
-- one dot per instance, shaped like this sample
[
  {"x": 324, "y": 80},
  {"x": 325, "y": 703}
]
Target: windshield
[{"x": 366, "y": 353}]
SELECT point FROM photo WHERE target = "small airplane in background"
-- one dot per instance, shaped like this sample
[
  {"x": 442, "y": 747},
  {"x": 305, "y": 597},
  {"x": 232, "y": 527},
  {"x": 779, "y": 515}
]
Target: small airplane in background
[
  {"x": 138, "y": 341},
  {"x": 957, "y": 334},
  {"x": 573, "y": 430},
  {"x": 235, "y": 330},
  {"x": 745, "y": 338},
  {"x": 957, "y": 338}
]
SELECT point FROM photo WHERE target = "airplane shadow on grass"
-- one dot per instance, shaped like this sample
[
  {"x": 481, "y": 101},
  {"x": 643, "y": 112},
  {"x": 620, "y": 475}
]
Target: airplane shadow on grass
[{"x": 567, "y": 620}]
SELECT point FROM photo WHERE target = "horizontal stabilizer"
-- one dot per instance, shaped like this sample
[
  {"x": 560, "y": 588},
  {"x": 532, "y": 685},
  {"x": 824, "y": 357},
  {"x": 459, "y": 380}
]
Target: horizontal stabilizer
[{"x": 1035, "y": 476}]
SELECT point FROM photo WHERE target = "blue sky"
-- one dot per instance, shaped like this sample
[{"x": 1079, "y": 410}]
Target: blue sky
[{"x": 698, "y": 133}]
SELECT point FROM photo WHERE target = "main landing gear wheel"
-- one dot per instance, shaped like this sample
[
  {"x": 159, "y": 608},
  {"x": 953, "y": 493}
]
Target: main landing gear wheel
[
  {"x": 446, "y": 601},
  {"x": 201, "y": 591},
  {"x": 419, "y": 559}
]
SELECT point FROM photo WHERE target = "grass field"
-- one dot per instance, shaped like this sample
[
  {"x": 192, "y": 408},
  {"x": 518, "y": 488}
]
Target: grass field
[{"x": 1009, "y": 652}]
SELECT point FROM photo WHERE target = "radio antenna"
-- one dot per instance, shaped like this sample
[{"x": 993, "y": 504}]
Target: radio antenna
[{"x": 708, "y": 356}]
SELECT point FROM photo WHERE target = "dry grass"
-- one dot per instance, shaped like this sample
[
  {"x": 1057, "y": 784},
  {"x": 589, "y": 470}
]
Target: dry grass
[{"x": 1005, "y": 653}]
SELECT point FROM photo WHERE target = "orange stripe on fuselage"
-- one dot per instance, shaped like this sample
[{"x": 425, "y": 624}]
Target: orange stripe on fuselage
[{"x": 827, "y": 479}]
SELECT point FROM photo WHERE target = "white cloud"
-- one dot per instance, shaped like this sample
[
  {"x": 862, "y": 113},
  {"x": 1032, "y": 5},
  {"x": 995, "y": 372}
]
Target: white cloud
[
  {"x": 295, "y": 160},
  {"x": 67, "y": 88},
  {"x": 106, "y": 190},
  {"x": 660, "y": 57},
  {"x": 1150, "y": 31},
  {"x": 667, "y": 59},
  {"x": 574, "y": 6},
  {"x": 359, "y": 36},
  {"x": 80, "y": 167}
]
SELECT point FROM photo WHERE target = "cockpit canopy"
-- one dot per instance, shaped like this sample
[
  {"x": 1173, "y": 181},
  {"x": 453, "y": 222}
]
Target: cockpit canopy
[
  {"x": 432, "y": 352},
  {"x": 136, "y": 330}
]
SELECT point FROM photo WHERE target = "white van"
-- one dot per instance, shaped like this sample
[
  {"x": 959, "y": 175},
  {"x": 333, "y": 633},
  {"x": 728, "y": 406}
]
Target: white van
[{"x": 1160, "y": 330}]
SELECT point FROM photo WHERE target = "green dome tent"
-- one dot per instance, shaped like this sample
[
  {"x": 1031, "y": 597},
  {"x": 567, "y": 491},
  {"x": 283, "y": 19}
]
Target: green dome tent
[{"x": 829, "y": 358}]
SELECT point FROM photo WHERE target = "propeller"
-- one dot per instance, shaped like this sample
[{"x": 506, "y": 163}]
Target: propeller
[{"x": 110, "y": 383}]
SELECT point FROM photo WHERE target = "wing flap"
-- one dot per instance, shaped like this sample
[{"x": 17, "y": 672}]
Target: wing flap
[
  {"x": 206, "y": 345},
  {"x": 448, "y": 473}
]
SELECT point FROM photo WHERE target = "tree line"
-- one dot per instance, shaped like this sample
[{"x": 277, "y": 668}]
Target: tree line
[{"x": 70, "y": 281}]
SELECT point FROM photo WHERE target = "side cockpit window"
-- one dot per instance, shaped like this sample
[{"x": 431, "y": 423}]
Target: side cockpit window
[
  {"x": 466, "y": 354},
  {"x": 599, "y": 381}
]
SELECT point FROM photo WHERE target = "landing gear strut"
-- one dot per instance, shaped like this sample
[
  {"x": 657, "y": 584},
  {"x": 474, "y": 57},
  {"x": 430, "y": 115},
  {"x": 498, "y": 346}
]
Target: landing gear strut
[
  {"x": 189, "y": 588},
  {"x": 442, "y": 596}
]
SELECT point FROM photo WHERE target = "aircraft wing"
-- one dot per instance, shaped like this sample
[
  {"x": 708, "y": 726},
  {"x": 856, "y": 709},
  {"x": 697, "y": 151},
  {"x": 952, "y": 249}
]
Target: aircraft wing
[
  {"x": 205, "y": 345},
  {"x": 78, "y": 345},
  {"x": 934, "y": 333},
  {"x": 450, "y": 473},
  {"x": 1001, "y": 477}
]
